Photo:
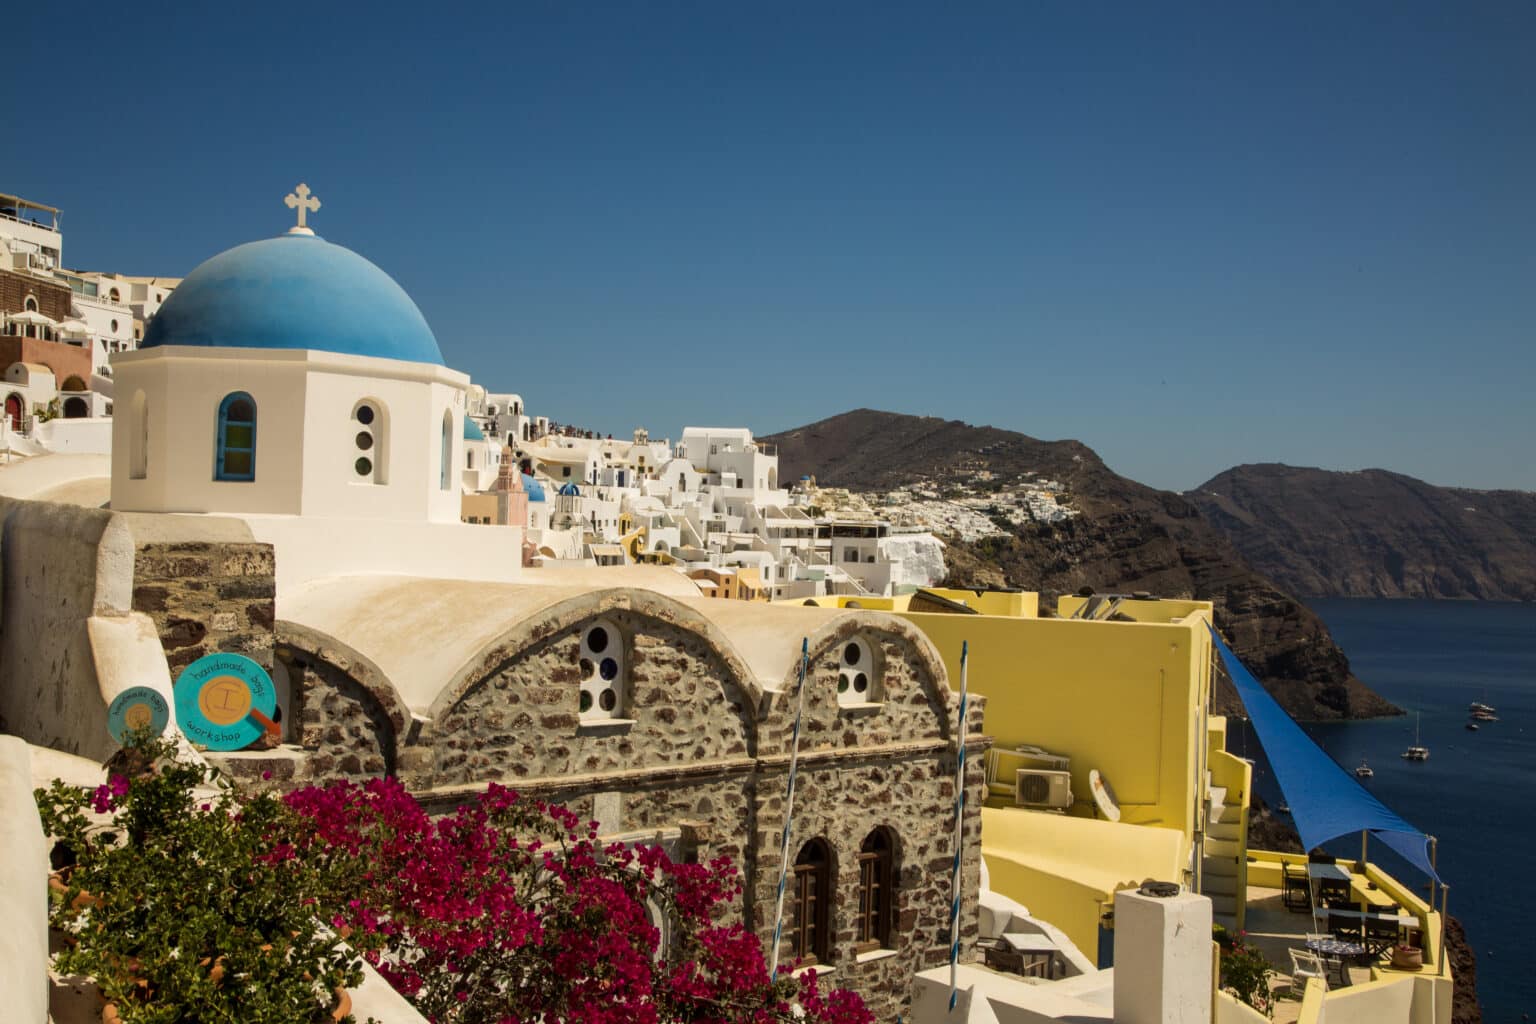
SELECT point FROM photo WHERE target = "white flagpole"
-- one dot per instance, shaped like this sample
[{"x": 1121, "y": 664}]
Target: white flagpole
[
  {"x": 954, "y": 903},
  {"x": 789, "y": 808}
]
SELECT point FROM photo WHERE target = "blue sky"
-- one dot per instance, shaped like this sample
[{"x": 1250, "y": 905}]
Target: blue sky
[{"x": 1189, "y": 236}]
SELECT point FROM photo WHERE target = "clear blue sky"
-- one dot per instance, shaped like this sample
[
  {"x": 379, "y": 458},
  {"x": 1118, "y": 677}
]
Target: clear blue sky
[{"x": 1187, "y": 236}]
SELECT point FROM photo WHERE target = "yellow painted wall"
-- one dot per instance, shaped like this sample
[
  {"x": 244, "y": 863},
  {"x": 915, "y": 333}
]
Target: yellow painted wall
[
  {"x": 1066, "y": 870},
  {"x": 1122, "y": 697}
]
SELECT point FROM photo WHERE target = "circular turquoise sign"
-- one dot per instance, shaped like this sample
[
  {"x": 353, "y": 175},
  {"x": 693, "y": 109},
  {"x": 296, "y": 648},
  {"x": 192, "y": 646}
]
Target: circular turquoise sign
[
  {"x": 137, "y": 707},
  {"x": 223, "y": 701}
]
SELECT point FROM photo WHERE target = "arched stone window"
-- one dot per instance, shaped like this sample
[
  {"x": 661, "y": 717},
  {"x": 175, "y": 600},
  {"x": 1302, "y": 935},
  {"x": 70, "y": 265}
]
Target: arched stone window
[
  {"x": 445, "y": 464},
  {"x": 602, "y": 672},
  {"x": 877, "y": 893},
  {"x": 138, "y": 437},
  {"x": 30, "y": 305},
  {"x": 858, "y": 677},
  {"x": 369, "y": 440},
  {"x": 76, "y": 408},
  {"x": 810, "y": 905},
  {"x": 236, "y": 458}
]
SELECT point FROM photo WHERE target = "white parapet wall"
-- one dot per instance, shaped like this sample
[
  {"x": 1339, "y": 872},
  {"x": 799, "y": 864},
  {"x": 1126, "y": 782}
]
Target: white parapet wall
[
  {"x": 23, "y": 890},
  {"x": 1162, "y": 958}
]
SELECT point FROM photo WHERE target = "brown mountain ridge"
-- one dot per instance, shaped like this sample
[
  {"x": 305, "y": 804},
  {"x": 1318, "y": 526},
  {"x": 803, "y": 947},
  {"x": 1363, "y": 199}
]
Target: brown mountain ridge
[
  {"x": 1373, "y": 533},
  {"x": 1128, "y": 537}
]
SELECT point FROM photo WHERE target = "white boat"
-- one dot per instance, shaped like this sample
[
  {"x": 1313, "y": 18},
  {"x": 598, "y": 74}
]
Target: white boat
[
  {"x": 1416, "y": 752},
  {"x": 1364, "y": 771},
  {"x": 1478, "y": 707}
]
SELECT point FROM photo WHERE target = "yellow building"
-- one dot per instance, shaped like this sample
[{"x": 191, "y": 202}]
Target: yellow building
[{"x": 1119, "y": 687}]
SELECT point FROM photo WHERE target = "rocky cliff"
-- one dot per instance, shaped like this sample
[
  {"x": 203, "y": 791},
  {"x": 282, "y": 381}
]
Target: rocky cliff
[
  {"x": 1126, "y": 537},
  {"x": 1375, "y": 534}
]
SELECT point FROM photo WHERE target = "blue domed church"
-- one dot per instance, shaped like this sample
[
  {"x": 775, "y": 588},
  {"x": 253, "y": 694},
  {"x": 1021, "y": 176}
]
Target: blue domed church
[{"x": 289, "y": 377}]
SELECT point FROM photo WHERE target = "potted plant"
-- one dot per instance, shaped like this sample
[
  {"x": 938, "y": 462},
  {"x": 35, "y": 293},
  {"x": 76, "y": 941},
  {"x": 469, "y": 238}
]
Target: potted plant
[
  {"x": 1407, "y": 958},
  {"x": 197, "y": 907}
]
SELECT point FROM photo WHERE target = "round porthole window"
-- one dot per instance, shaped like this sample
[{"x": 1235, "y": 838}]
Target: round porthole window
[
  {"x": 856, "y": 674},
  {"x": 369, "y": 439},
  {"x": 601, "y": 664}
]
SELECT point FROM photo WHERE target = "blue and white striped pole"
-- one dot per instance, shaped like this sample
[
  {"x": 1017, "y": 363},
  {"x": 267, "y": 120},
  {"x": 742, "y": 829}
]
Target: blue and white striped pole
[
  {"x": 954, "y": 902},
  {"x": 789, "y": 807}
]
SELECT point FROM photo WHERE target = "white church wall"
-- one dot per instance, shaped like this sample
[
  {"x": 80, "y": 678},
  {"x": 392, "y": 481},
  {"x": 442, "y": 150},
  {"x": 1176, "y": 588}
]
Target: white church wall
[
  {"x": 183, "y": 388},
  {"x": 404, "y": 481}
]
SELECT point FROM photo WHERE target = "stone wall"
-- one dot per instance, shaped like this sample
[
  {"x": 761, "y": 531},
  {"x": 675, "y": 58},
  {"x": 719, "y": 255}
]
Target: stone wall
[
  {"x": 695, "y": 756},
  {"x": 683, "y": 706},
  {"x": 206, "y": 597}
]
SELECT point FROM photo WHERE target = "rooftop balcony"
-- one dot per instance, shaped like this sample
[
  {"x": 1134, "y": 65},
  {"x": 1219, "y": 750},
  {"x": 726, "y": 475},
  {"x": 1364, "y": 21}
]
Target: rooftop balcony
[{"x": 1364, "y": 986}]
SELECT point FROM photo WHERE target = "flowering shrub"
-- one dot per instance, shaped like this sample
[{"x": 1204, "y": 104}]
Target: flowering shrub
[
  {"x": 511, "y": 911},
  {"x": 1245, "y": 972},
  {"x": 175, "y": 907}
]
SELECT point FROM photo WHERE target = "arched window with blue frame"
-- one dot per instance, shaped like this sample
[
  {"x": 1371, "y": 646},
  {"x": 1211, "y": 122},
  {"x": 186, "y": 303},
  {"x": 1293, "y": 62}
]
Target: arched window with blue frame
[{"x": 237, "y": 438}]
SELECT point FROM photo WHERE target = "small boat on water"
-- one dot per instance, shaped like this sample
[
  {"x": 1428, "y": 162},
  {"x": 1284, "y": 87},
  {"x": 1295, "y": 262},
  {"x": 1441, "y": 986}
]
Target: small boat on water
[
  {"x": 1365, "y": 771},
  {"x": 1472, "y": 727},
  {"x": 1416, "y": 752},
  {"x": 1485, "y": 714},
  {"x": 1478, "y": 706}
]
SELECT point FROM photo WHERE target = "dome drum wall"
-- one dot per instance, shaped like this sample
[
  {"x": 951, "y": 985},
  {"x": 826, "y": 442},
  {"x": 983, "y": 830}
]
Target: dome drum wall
[{"x": 305, "y": 434}]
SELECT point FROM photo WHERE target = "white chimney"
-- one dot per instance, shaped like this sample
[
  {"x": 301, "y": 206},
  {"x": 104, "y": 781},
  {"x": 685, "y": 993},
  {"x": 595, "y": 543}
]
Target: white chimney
[{"x": 1162, "y": 956}]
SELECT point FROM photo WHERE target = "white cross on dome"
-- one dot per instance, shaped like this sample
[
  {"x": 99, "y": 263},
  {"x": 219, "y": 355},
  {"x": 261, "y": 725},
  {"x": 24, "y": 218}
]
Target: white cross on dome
[{"x": 300, "y": 199}]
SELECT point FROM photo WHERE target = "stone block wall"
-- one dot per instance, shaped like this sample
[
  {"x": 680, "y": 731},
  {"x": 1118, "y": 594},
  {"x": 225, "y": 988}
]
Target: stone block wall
[
  {"x": 683, "y": 706},
  {"x": 698, "y": 756},
  {"x": 341, "y": 724},
  {"x": 206, "y": 597}
]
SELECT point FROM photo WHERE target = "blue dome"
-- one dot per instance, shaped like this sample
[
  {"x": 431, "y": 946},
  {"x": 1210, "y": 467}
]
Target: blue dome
[
  {"x": 533, "y": 487},
  {"x": 294, "y": 291},
  {"x": 569, "y": 491},
  {"x": 472, "y": 430}
]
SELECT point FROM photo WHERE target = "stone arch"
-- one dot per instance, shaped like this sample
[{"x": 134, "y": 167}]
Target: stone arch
[
  {"x": 76, "y": 408},
  {"x": 343, "y": 704},
  {"x": 575, "y": 610},
  {"x": 826, "y": 641}
]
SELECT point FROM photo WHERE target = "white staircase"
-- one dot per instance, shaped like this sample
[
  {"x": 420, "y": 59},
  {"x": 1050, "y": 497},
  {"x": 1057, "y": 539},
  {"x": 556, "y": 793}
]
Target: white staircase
[{"x": 1224, "y": 851}]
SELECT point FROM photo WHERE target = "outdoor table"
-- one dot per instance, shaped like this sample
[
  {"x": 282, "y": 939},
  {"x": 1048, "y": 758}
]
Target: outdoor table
[
  {"x": 1339, "y": 951},
  {"x": 1037, "y": 953},
  {"x": 1334, "y": 872}
]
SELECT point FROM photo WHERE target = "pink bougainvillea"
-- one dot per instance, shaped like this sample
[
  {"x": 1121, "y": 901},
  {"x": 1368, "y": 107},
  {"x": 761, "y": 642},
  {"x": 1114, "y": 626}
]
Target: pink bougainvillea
[{"x": 511, "y": 912}]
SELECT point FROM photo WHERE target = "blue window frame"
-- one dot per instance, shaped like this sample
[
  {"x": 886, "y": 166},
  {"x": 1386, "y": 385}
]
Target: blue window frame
[{"x": 237, "y": 438}]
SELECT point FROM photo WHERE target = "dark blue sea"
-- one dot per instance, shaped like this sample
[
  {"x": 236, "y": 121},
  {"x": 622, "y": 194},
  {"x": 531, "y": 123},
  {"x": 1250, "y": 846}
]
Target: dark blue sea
[{"x": 1477, "y": 791}]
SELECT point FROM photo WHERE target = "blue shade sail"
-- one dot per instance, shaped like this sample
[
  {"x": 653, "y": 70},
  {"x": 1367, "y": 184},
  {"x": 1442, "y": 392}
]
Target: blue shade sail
[{"x": 1326, "y": 801}]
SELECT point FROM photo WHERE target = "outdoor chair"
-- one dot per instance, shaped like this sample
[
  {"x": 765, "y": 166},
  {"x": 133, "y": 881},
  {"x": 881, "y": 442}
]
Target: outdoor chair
[
  {"x": 1305, "y": 965},
  {"x": 1295, "y": 894},
  {"x": 1334, "y": 893},
  {"x": 1380, "y": 936}
]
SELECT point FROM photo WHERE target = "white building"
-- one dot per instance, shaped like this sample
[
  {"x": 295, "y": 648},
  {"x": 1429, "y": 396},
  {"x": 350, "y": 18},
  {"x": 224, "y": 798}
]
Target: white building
[{"x": 291, "y": 382}]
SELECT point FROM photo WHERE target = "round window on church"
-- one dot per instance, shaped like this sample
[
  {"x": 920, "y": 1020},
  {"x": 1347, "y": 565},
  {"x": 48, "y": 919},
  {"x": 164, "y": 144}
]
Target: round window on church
[
  {"x": 858, "y": 674},
  {"x": 365, "y": 414},
  {"x": 364, "y": 440},
  {"x": 601, "y": 667},
  {"x": 363, "y": 466}
]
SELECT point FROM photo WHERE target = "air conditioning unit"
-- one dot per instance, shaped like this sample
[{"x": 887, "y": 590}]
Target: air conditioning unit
[{"x": 1042, "y": 789}]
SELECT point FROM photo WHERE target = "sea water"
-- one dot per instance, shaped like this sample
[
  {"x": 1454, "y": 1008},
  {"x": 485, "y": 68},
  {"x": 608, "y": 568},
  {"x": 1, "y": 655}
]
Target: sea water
[{"x": 1477, "y": 791}]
